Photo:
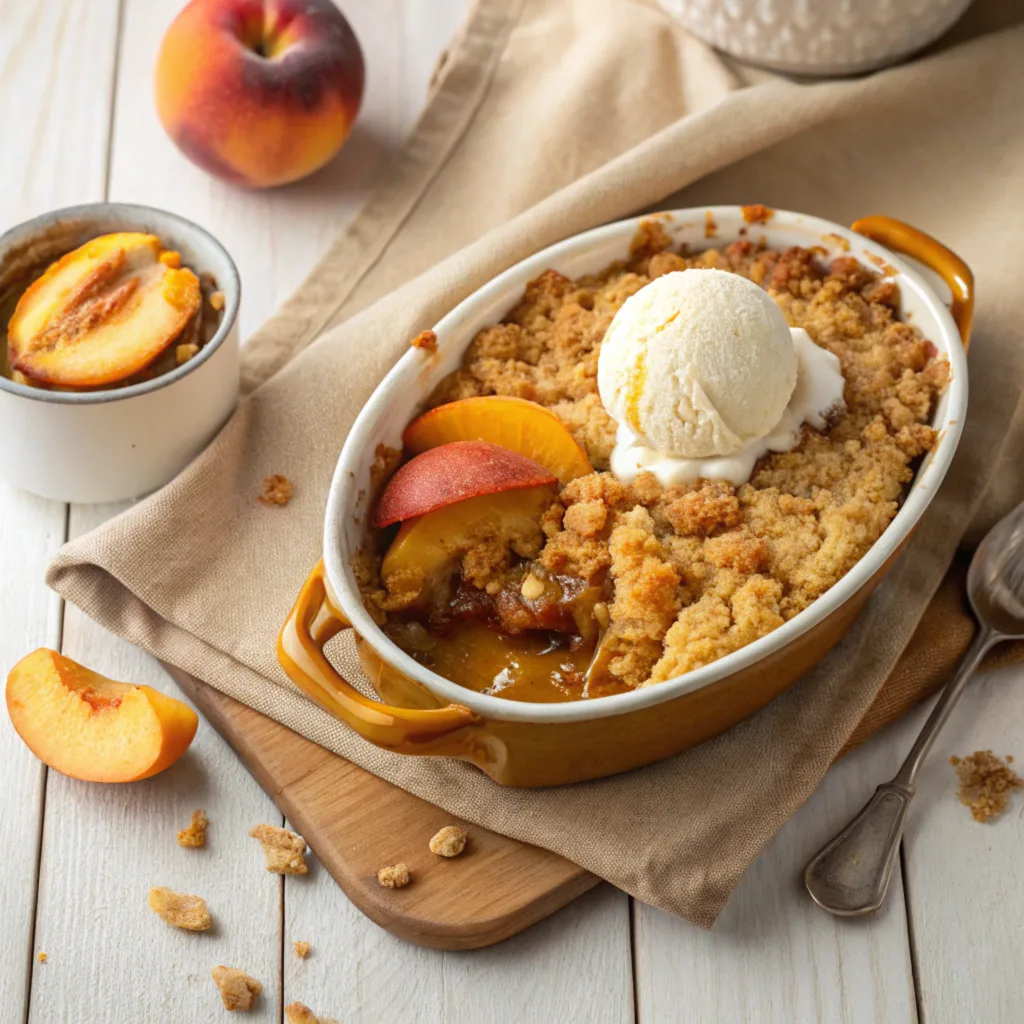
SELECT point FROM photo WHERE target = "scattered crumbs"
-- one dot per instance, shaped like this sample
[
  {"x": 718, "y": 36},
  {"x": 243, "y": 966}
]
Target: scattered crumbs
[
  {"x": 394, "y": 876},
  {"x": 650, "y": 237},
  {"x": 886, "y": 268},
  {"x": 277, "y": 490},
  {"x": 217, "y": 300},
  {"x": 183, "y": 353},
  {"x": 986, "y": 783},
  {"x": 1009, "y": 758},
  {"x": 195, "y": 835},
  {"x": 301, "y": 949},
  {"x": 710, "y": 227},
  {"x": 42, "y": 957},
  {"x": 426, "y": 340},
  {"x": 282, "y": 850},
  {"x": 238, "y": 991},
  {"x": 742, "y": 232},
  {"x": 837, "y": 242},
  {"x": 180, "y": 909},
  {"x": 449, "y": 842},
  {"x": 757, "y": 213},
  {"x": 299, "y": 1013}
]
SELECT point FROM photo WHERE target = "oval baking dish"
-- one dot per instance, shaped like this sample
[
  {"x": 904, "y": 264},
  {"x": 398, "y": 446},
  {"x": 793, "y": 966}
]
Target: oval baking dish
[{"x": 533, "y": 744}]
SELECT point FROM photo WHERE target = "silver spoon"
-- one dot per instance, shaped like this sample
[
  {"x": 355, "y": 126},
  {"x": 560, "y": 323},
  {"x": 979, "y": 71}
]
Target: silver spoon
[{"x": 850, "y": 875}]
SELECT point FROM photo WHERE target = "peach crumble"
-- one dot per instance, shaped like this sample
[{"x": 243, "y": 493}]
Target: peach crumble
[
  {"x": 277, "y": 490},
  {"x": 449, "y": 841},
  {"x": 180, "y": 909},
  {"x": 986, "y": 783},
  {"x": 592, "y": 585},
  {"x": 283, "y": 851},
  {"x": 238, "y": 990},
  {"x": 195, "y": 835}
]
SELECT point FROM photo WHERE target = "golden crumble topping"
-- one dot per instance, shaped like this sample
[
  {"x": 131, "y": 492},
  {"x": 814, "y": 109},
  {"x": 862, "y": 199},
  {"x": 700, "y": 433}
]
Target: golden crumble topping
[
  {"x": 238, "y": 990},
  {"x": 692, "y": 573},
  {"x": 449, "y": 841},
  {"x": 195, "y": 834},
  {"x": 282, "y": 850},
  {"x": 180, "y": 909},
  {"x": 986, "y": 783},
  {"x": 277, "y": 490},
  {"x": 394, "y": 876}
]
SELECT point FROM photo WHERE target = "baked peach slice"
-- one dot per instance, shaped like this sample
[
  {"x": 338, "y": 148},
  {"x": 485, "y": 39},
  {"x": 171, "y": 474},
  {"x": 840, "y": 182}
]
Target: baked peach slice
[
  {"x": 514, "y": 423},
  {"x": 92, "y": 728},
  {"x": 426, "y": 549},
  {"x": 101, "y": 313},
  {"x": 453, "y": 473}
]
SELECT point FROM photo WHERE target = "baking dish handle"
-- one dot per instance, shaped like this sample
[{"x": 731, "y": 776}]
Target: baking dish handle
[
  {"x": 313, "y": 621},
  {"x": 908, "y": 241}
]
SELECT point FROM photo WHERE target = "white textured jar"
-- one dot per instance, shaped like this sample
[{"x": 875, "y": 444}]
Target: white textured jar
[
  {"x": 817, "y": 37},
  {"x": 106, "y": 445}
]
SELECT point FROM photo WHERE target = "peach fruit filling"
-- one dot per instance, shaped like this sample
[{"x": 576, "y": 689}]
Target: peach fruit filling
[{"x": 103, "y": 313}]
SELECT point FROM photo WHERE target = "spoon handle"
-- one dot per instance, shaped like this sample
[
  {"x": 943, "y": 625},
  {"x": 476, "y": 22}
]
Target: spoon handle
[{"x": 850, "y": 875}]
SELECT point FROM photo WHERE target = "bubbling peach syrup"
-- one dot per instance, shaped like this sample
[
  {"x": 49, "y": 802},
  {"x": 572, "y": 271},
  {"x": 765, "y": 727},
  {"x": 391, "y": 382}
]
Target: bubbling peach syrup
[{"x": 117, "y": 310}]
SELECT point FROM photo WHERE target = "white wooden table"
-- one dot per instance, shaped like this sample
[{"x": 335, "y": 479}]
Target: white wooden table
[{"x": 77, "y": 124}]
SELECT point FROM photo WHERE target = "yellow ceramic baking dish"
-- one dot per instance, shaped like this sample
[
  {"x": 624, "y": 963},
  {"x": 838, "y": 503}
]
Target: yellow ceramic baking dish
[{"x": 526, "y": 744}]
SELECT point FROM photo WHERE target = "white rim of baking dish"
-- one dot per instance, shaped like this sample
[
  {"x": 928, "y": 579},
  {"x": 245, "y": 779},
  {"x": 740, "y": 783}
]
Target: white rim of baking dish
[
  {"x": 133, "y": 217},
  {"x": 508, "y": 286}
]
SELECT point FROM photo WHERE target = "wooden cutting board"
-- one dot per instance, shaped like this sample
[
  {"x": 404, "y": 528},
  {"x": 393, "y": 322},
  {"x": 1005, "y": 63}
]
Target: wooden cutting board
[{"x": 356, "y": 823}]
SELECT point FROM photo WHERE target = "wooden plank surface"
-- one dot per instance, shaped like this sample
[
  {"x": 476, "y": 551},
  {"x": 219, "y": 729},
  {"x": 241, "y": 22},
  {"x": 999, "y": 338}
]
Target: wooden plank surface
[
  {"x": 56, "y": 78},
  {"x": 964, "y": 879}
]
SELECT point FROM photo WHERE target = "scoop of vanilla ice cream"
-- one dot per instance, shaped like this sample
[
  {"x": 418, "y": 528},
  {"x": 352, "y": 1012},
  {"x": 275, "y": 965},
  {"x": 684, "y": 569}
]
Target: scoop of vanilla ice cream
[{"x": 698, "y": 363}]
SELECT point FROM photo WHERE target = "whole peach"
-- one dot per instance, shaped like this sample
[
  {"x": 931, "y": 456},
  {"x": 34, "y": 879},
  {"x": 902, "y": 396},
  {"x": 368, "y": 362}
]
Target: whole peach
[{"x": 259, "y": 92}]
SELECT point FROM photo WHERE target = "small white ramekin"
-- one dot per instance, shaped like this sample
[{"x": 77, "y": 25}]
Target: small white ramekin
[{"x": 107, "y": 445}]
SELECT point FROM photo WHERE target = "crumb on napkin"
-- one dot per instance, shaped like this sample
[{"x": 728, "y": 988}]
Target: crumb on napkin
[
  {"x": 180, "y": 909},
  {"x": 426, "y": 340},
  {"x": 986, "y": 783},
  {"x": 282, "y": 850},
  {"x": 238, "y": 991},
  {"x": 301, "y": 949},
  {"x": 277, "y": 490},
  {"x": 195, "y": 835},
  {"x": 394, "y": 876},
  {"x": 449, "y": 841}
]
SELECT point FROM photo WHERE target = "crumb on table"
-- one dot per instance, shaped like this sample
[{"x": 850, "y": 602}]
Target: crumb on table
[
  {"x": 277, "y": 490},
  {"x": 238, "y": 991},
  {"x": 449, "y": 841},
  {"x": 394, "y": 876},
  {"x": 282, "y": 850},
  {"x": 195, "y": 835},
  {"x": 986, "y": 783},
  {"x": 42, "y": 957},
  {"x": 301, "y": 949},
  {"x": 426, "y": 340},
  {"x": 180, "y": 909}
]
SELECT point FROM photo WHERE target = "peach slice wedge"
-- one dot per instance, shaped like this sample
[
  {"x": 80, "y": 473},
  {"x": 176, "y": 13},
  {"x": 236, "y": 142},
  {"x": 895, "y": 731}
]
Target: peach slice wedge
[
  {"x": 452, "y": 473},
  {"x": 514, "y": 423},
  {"x": 92, "y": 728},
  {"x": 101, "y": 313},
  {"x": 426, "y": 548}
]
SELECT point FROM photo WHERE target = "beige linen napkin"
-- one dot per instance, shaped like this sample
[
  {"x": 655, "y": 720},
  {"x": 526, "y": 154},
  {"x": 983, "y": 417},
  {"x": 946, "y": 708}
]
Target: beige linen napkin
[{"x": 552, "y": 116}]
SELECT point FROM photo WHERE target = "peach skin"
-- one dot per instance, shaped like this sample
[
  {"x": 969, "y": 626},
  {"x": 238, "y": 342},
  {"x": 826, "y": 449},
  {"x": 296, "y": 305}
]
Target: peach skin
[
  {"x": 259, "y": 92},
  {"x": 92, "y": 728}
]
